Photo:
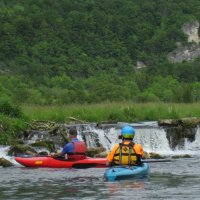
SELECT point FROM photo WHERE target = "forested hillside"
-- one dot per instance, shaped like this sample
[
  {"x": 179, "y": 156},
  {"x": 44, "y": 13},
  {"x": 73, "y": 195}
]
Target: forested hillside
[{"x": 85, "y": 51}]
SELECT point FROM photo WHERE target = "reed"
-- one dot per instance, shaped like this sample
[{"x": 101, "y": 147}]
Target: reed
[{"x": 129, "y": 112}]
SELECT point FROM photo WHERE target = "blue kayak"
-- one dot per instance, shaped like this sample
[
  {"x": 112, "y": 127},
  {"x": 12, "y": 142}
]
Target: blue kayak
[{"x": 124, "y": 172}]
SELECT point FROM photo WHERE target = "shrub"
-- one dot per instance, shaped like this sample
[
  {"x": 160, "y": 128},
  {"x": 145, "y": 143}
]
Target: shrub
[
  {"x": 10, "y": 128},
  {"x": 8, "y": 109}
]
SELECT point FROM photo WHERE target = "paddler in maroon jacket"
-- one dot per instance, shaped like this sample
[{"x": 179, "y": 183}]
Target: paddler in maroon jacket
[{"x": 75, "y": 149}]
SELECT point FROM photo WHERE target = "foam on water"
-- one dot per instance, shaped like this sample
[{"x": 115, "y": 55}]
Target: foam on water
[
  {"x": 152, "y": 138},
  {"x": 4, "y": 152}
]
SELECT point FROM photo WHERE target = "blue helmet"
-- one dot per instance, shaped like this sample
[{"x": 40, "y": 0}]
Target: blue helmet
[{"x": 128, "y": 132}]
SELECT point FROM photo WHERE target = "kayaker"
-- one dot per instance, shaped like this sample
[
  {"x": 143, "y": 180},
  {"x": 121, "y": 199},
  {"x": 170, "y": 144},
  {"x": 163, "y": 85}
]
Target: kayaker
[
  {"x": 127, "y": 152},
  {"x": 75, "y": 149}
]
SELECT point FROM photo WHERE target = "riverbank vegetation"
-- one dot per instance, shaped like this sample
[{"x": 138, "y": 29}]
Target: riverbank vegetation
[
  {"x": 15, "y": 119},
  {"x": 112, "y": 112},
  {"x": 12, "y": 121}
]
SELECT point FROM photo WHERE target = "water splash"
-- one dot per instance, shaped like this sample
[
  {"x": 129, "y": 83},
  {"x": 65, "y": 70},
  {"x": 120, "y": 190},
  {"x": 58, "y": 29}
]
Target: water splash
[
  {"x": 153, "y": 139},
  {"x": 4, "y": 151},
  {"x": 95, "y": 137},
  {"x": 4, "y": 154}
]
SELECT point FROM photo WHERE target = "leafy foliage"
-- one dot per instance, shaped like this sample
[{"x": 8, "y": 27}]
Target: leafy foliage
[
  {"x": 10, "y": 128},
  {"x": 10, "y": 110},
  {"x": 61, "y": 52}
]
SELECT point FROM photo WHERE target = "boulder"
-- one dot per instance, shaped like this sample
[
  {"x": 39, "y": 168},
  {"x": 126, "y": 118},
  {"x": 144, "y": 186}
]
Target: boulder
[
  {"x": 102, "y": 155},
  {"x": 44, "y": 144},
  {"x": 153, "y": 155},
  {"x": 182, "y": 156},
  {"x": 92, "y": 152},
  {"x": 16, "y": 150},
  {"x": 47, "y": 131},
  {"x": 5, "y": 163}
]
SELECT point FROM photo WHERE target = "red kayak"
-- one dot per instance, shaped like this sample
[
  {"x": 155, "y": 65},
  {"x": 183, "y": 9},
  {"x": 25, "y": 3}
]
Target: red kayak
[{"x": 47, "y": 161}]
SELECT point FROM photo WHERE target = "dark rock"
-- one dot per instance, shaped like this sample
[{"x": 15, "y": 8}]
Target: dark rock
[
  {"x": 43, "y": 153},
  {"x": 91, "y": 137},
  {"x": 153, "y": 155},
  {"x": 92, "y": 152},
  {"x": 44, "y": 144},
  {"x": 21, "y": 149},
  {"x": 101, "y": 155},
  {"x": 182, "y": 156},
  {"x": 5, "y": 163},
  {"x": 180, "y": 130},
  {"x": 177, "y": 135}
]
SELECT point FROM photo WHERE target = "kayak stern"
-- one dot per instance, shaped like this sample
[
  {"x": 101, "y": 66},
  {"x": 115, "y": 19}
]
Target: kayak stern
[{"x": 121, "y": 172}]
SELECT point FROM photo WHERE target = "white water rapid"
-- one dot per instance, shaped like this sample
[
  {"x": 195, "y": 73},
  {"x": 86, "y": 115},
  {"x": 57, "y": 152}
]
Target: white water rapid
[
  {"x": 3, "y": 154},
  {"x": 149, "y": 135}
]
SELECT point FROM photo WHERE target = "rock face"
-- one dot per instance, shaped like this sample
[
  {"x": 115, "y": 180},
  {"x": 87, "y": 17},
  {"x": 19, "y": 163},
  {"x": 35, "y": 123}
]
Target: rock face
[
  {"x": 185, "y": 122},
  {"x": 176, "y": 136},
  {"x": 140, "y": 65},
  {"x": 48, "y": 133},
  {"x": 192, "y": 50},
  {"x": 191, "y": 29},
  {"x": 179, "y": 130},
  {"x": 184, "y": 53},
  {"x": 20, "y": 149}
]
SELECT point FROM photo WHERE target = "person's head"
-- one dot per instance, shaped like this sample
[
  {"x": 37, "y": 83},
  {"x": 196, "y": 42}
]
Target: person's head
[
  {"x": 127, "y": 132},
  {"x": 72, "y": 133}
]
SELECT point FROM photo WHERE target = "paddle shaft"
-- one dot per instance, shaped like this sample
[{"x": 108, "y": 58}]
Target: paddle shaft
[{"x": 156, "y": 160}]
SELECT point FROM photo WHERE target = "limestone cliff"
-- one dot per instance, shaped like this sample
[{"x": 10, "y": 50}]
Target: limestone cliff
[{"x": 192, "y": 50}]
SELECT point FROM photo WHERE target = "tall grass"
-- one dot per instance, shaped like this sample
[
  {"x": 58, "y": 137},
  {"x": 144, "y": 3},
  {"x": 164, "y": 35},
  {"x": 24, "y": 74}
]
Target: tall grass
[
  {"x": 129, "y": 112},
  {"x": 10, "y": 128}
]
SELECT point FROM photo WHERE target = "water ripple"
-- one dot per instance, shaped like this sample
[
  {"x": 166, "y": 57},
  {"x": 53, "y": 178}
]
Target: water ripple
[{"x": 176, "y": 180}]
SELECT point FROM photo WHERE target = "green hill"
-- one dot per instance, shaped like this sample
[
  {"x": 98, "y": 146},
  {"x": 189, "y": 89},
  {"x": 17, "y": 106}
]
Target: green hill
[{"x": 85, "y": 51}]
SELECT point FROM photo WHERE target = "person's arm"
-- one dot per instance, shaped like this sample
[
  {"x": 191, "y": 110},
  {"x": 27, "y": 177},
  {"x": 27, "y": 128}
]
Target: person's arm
[
  {"x": 110, "y": 155},
  {"x": 62, "y": 153},
  {"x": 139, "y": 150},
  {"x": 66, "y": 149}
]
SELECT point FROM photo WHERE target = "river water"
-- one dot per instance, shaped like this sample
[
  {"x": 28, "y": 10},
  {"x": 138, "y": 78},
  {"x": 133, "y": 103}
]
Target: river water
[{"x": 179, "y": 179}]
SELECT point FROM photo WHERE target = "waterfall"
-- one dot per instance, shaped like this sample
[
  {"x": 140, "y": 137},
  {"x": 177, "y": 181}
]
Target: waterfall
[
  {"x": 95, "y": 137},
  {"x": 4, "y": 150},
  {"x": 152, "y": 137},
  {"x": 153, "y": 140}
]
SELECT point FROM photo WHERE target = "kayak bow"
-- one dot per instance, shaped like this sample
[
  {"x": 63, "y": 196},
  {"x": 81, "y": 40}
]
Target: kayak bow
[{"x": 50, "y": 162}]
